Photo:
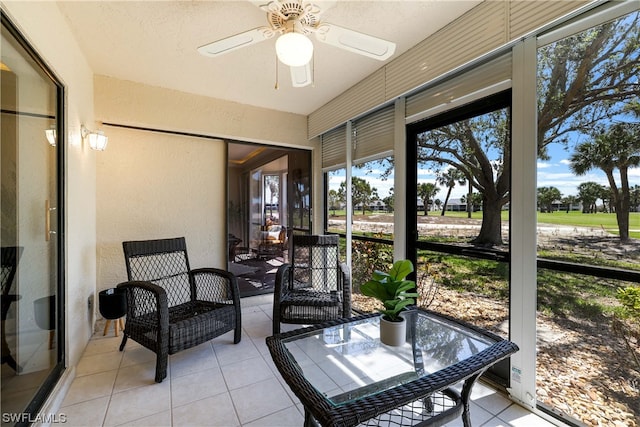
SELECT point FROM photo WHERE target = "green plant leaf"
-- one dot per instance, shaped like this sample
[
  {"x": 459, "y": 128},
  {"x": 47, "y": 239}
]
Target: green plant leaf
[
  {"x": 379, "y": 275},
  {"x": 391, "y": 289},
  {"x": 405, "y": 285},
  {"x": 376, "y": 290},
  {"x": 401, "y": 269},
  {"x": 403, "y": 304}
]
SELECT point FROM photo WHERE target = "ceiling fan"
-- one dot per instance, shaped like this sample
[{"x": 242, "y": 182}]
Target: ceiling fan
[{"x": 294, "y": 21}]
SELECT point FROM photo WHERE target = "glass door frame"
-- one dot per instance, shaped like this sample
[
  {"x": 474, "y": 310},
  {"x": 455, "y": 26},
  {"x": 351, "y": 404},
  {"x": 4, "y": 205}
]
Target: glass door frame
[
  {"x": 500, "y": 100},
  {"x": 56, "y": 372}
]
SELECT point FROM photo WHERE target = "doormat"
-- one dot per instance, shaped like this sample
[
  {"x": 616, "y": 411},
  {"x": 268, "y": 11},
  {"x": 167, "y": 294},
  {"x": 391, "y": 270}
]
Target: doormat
[{"x": 255, "y": 276}]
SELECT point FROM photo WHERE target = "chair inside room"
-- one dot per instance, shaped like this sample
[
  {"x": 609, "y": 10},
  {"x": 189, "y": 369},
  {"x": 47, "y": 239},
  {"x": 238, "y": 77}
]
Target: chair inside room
[
  {"x": 314, "y": 286},
  {"x": 10, "y": 256},
  {"x": 171, "y": 307},
  {"x": 274, "y": 242}
]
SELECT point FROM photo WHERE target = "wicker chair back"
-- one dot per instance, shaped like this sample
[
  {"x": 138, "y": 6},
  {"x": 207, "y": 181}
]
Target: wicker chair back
[
  {"x": 171, "y": 307},
  {"x": 163, "y": 262},
  {"x": 315, "y": 286}
]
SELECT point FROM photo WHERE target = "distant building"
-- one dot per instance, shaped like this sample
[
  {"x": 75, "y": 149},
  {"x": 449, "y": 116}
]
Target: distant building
[
  {"x": 456, "y": 205},
  {"x": 376, "y": 206}
]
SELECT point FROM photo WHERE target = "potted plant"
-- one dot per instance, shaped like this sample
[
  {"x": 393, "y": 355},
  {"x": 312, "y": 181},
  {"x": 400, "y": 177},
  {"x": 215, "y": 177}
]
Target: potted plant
[{"x": 394, "y": 292}]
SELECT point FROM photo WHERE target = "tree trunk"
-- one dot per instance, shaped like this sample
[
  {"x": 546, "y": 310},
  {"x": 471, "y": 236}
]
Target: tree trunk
[
  {"x": 623, "y": 223},
  {"x": 491, "y": 229},
  {"x": 469, "y": 200},
  {"x": 620, "y": 201},
  {"x": 446, "y": 200}
]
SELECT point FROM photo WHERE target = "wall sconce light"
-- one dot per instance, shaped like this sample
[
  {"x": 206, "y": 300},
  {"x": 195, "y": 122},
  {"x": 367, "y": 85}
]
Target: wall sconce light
[
  {"x": 51, "y": 136},
  {"x": 97, "y": 140}
]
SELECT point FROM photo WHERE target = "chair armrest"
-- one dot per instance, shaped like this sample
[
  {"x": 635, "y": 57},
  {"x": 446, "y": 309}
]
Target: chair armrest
[
  {"x": 215, "y": 285},
  {"x": 283, "y": 279},
  {"x": 144, "y": 298},
  {"x": 346, "y": 289}
]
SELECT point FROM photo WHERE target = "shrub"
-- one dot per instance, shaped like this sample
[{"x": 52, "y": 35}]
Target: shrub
[
  {"x": 629, "y": 297},
  {"x": 368, "y": 257}
]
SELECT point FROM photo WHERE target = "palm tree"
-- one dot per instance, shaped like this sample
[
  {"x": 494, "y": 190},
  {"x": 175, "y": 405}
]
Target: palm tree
[
  {"x": 635, "y": 197},
  {"x": 569, "y": 201},
  {"x": 546, "y": 197},
  {"x": 449, "y": 180},
  {"x": 588, "y": 194},
  {"x": 273, "y": 183},
  {"x": 618, "y": 147},
  {"x": 333, "y": 200},
  {"x": 426, "y": 191}
]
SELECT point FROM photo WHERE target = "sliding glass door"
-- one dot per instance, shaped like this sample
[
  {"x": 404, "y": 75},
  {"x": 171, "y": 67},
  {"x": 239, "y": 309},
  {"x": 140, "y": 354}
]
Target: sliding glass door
[
  {"x": 30, "y": 233},
  {"x": 458, "y": 193},
  {"x": 268, "y": 200}
]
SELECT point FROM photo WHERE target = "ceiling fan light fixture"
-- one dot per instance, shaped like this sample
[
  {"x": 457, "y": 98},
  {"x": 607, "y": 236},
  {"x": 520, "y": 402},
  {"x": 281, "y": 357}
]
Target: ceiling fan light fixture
[{"x": 294, "y": 49}]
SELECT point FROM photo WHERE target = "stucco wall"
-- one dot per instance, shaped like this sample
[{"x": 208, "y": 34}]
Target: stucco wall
[
  {"x": 153, "y": 185},
  {"x": 137, "y": 104},
  {"x": 45, "y": 28}
]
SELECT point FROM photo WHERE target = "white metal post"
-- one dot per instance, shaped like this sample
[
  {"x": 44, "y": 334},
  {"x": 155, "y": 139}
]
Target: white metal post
[
  {"x": 399, "y": 181},
  {"x": 349, "y": 207},
  {"x": 523, "y": 223}
]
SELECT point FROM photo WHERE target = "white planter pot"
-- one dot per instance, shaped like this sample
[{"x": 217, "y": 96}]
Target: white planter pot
[{"x": 393, "y": 333}]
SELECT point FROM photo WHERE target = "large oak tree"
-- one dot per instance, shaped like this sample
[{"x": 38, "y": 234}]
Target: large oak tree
[{"x": 583, "y": 82}]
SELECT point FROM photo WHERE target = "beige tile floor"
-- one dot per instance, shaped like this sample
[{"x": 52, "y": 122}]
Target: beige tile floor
[{"x": 215, "y": 384}]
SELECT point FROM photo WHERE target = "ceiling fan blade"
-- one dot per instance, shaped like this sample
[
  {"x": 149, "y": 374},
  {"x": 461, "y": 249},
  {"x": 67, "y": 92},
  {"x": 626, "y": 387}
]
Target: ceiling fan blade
[
  {"x": 262, "y": 4},
  {"x": 301, "y": 76},
  {"x": 232, "y": 43},
  {"x": 355, "y": 41}
]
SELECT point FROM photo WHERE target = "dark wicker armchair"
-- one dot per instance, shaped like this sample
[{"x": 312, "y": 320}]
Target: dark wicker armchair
[
  {"x": 315, "y": 286},
  {"x": 171, "y": 307},
  {"x": 10, "y": 256}
]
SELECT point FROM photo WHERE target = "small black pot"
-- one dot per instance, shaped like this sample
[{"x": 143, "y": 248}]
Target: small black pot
[{"x": 113, "y": 303}]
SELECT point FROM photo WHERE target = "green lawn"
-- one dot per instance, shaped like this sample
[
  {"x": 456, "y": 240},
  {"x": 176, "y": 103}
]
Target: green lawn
[{"x": 606, "y": 221}]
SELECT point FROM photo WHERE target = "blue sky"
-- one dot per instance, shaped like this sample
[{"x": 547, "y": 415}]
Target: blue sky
[{"x": 554, "y": 172}]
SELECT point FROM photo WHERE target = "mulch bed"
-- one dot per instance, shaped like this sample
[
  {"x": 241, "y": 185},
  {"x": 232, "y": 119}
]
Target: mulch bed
[{"x": 584, "y": 371}]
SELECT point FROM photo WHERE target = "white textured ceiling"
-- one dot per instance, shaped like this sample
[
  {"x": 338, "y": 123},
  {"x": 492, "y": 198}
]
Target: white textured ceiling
[{"x": 154, "y": 42}]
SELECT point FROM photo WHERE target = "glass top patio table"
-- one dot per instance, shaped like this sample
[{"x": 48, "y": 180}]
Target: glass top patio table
[{"x": 339, "y": 366}]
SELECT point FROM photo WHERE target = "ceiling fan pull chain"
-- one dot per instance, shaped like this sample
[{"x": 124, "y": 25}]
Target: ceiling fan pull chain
[{"x": 276, "y": 88}]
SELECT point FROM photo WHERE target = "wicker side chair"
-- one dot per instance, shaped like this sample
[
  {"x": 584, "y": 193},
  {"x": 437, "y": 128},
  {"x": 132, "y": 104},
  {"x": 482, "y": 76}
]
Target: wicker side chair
[
  {"x": 10, "y": 256},
  {"x": 315, "y": 286},
  {"x": 171, "y": 307}
]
